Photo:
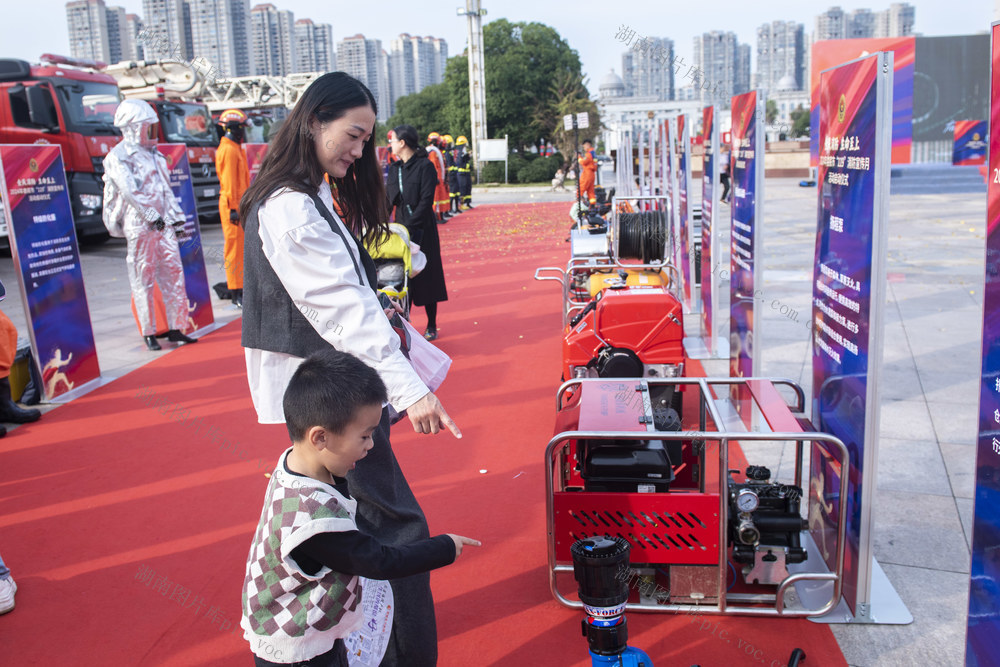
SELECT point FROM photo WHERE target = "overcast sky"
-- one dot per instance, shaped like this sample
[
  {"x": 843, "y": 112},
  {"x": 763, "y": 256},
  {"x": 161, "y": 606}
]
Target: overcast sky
[{"x": 30, "y": 28}]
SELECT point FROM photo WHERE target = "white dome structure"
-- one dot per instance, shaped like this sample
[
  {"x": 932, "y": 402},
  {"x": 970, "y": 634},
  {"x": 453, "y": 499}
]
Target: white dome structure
[
  {"x": 787, "y": 82},
  {"x": 612, "y": 86}
]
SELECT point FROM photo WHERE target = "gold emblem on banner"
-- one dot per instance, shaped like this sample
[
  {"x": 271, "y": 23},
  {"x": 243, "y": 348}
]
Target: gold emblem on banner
[
  {"x": 842, "y": 109},
  {"x": 975, "y": 136},
  {"x": 33, "y": 165}
]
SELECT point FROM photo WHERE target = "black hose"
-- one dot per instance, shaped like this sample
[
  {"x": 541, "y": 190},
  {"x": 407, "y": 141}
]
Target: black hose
[{"x": 642, "y": 236}]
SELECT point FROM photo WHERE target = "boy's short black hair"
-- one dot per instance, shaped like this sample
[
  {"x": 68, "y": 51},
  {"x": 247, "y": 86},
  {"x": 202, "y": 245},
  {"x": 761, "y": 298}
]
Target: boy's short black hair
[{"x": 327, "y": 390}]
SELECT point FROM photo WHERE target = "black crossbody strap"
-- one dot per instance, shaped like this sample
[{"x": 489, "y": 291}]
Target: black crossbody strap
[{"x": 325, "y": 212}]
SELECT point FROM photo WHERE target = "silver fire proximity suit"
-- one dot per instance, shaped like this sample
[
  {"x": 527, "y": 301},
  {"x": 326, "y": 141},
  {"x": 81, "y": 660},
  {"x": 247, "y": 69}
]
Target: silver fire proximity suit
[{"x": 140, "y": 206}]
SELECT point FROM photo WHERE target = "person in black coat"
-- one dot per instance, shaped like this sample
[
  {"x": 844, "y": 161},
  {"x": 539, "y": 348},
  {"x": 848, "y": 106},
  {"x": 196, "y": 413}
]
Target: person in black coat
[{"x": 410, "y": 188}]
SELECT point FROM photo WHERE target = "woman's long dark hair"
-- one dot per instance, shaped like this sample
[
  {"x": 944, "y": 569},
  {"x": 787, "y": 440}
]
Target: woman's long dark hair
[{"x": 291, "y": 160}]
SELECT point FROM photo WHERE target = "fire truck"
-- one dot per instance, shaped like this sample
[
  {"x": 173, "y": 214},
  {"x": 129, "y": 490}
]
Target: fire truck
[
  {"x": 186, "y": 94},
  {"x": 68, "y": 103}
]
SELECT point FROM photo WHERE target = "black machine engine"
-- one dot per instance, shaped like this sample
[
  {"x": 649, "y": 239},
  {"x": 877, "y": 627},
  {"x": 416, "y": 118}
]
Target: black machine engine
[
  {"x": 764, "y": 526},
  {"x": 633, "y": 466},
  {"x": 628, "y": 466}
]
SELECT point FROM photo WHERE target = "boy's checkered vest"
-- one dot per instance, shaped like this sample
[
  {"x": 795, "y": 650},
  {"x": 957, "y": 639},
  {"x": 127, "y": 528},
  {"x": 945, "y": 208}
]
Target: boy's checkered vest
[{"x": 285, "y": 611}]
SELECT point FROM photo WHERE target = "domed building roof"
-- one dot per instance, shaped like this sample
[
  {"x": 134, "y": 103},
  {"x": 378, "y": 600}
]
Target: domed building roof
[
  {"x": 612, "y": 85},
  {"x": 787, "y": 82}
]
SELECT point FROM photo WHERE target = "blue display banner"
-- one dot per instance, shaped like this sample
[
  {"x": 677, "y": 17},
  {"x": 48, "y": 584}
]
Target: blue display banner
[
  {"x": 709, "y": 193},
  {"x": 653, "y": 160},
  {"x": 670, "y": 180},
  {"x": 848, "y": 289},
  {"x": 47, "y": 260},
  {"x": 200, "y": 313},
  {"x": 684, "y": 213},
  {"x": 982, "y": 646},
  {"x": 747, "y": 169},
  {"x": 970, "y": 142}
]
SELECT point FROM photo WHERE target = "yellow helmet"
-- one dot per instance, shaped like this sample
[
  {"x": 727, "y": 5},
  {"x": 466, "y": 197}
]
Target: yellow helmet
[
  {"x": 233, "y": 116},
  {"x": 432, "y": 136},
  {"x": 461, "y": 141},
  {"x": 448, "y": 140}
]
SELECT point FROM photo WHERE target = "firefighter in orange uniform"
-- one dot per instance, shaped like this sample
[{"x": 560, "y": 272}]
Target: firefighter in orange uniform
[
  {"x": 588, "y": 172},
  {"x": 234, "y": 179},
  {"x": 442, "y": 200}
]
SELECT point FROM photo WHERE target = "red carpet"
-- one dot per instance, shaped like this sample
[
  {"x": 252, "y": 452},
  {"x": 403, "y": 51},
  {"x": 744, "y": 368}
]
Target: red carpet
[{"x": 126, "y": 515}]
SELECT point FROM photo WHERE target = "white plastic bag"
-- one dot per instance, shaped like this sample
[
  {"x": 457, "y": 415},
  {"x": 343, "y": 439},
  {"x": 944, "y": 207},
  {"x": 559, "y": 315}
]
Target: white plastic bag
[
  {"x": 418, "y": 260},
  {"x": 430, "y": 363}
]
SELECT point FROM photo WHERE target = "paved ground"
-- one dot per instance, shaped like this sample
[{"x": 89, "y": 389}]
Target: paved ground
[
  {"x": 933, "y": 324},
  {"x": 929, "y": 398}
]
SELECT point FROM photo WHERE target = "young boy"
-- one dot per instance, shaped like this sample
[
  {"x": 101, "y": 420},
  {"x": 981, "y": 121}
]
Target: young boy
[{"x": 302, "y": 594}]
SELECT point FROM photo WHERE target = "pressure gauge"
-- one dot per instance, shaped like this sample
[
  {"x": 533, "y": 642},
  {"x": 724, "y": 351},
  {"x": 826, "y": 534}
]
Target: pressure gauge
[{"x": 747, "y": 501}]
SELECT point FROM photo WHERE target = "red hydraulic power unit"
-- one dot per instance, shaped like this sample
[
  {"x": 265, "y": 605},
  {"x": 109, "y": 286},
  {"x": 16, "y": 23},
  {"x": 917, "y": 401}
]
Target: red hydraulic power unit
[{"x": 626, "y": 331}]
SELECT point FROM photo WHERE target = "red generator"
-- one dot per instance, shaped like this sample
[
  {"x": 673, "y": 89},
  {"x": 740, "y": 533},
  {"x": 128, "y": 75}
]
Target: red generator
[
  {"x": 623, "y": 464},
  {"x": 626, "y": 331}
]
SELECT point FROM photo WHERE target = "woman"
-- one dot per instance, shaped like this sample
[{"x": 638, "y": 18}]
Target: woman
[
  {"x": 309, "y": 284},
  {"x": 410, "y": 187}
]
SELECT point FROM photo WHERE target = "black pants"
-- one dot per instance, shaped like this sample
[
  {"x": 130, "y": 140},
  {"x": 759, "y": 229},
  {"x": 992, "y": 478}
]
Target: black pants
[
  {"x": 335, "y": 657},
  {"x": 388, "y": 510},
  {"x": 724, "y": 179}
]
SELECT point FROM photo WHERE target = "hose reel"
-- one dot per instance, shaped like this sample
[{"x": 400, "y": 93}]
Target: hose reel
[{"x": 642, "y": 236}]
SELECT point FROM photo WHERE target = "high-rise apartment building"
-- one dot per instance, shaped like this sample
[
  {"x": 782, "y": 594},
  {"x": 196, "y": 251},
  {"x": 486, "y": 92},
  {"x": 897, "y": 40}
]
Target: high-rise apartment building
[
  {"x": 830, "y": 24},
  {"x": 273, "y": 38},
  {"x": 722, "y": 67},
  {"x": 133, "y": 26},
  {"x": 87, "y": 21},
  {"x": 314, "y": 47},
  {"x": 440, "y": 47},
  {"x": 383, "y": 89},
  {"x": 166, "y": 25},
  {"x": 239, "y": 12},
  {"x": 414, "y": 64},
  {"x": 835, "y": 23},
  {"x": 118, "y": 36},
  {"x": 220, "y": 35},
  {"x": 647, "y": 69},
  {"x": 859, "y": 24},
  {"x": 781, "y": 52},
  {"x": 365, "y": 60},
  {"x": 897, "y": 21}
]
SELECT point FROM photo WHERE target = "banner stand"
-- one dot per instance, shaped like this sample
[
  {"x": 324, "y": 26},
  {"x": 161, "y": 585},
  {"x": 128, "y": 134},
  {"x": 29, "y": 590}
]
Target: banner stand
[
  {"x": 711, "y": 346},
  {"x": 695, "y": 348},
  {"x": 46, "y": 260},
  {"x": 982, "y": 620},
  {"x": 885, "y": 607},
  {"x": 691, "y": 300},
  {"x": 746, "y": 216},
  {"x": 854, "y": 136}
]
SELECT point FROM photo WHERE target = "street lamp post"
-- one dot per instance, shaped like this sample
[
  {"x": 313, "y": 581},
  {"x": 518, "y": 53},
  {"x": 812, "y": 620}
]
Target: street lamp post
[{"x": 477, "y": 83}]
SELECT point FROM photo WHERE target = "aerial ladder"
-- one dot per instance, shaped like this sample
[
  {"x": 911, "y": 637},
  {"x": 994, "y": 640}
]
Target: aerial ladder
[{"x": 192, "y": 81}]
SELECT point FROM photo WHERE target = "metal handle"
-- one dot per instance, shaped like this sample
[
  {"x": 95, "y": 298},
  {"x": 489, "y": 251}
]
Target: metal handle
[{"x": 560, "y": 279}]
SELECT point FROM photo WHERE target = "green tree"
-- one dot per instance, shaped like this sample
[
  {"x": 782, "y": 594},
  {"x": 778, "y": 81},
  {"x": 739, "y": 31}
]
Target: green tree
[
  {"x": 423, "y": 110},
  {"x": 455, "y": 111},
  {"x": 567, "y": 95},
  {"x": 523, "y": 62},
  {"x": 800, "y": 122},
  {"x": 771, "y": 112}
]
